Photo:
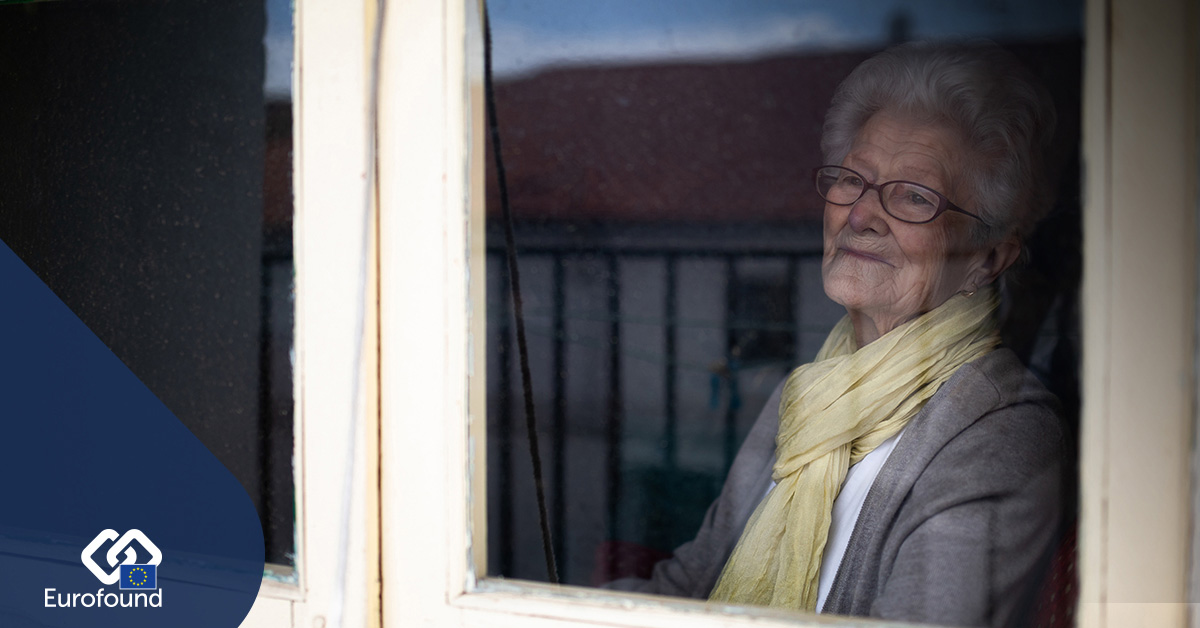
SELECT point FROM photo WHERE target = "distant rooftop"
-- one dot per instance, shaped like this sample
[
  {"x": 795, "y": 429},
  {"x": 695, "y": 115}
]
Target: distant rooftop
[{"x": 688, "y": 141}]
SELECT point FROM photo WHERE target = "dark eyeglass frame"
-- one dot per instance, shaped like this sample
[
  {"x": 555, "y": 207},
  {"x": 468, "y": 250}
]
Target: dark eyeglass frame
[{"x": 944, "y": 203}]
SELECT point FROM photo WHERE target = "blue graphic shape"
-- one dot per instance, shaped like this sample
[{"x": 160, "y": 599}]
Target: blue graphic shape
[
  {"x": 139, "y": 576},
  {"x": 73, "y": 413}
]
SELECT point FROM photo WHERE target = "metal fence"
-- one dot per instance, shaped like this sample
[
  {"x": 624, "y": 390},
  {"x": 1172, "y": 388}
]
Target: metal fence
[{"x": 750, "y": 336}]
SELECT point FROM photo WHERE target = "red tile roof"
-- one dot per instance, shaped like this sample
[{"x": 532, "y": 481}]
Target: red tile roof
[{"x": 697, "y": 142}]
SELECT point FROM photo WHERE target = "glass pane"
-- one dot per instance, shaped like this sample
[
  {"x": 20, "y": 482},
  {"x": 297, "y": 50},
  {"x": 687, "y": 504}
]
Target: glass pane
[
  {"x": 148, "y": 181},
  {"x": 669, "y": 241}
]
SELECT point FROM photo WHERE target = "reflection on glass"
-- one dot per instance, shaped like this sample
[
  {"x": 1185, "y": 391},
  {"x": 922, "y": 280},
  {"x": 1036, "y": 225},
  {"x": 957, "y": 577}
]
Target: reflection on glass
[
  {"x": 278, "y": 291},
  {"x": 147, "y": 164},
  {"x": 659, "y": 167}
]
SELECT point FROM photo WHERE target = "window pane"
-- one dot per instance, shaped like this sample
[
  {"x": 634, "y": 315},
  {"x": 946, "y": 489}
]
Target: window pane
[
  {"x": 148, "y": 182},
  {"x": 670, "y": 241}
]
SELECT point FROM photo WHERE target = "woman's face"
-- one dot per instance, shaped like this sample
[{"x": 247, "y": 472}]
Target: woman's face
[{"x": 885, "y": 271}]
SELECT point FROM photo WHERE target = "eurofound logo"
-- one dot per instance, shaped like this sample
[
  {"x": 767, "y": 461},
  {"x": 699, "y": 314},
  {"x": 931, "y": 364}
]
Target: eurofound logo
[{"x": 137, "y": 581}]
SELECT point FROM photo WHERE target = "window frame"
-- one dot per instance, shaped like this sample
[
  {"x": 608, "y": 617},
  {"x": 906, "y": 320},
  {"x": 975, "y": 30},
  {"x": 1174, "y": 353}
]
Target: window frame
[
  {"x": 1139, "y": 294},
  {"x": 330, "y": 95},
  {"x": 1140, "y": 270}
]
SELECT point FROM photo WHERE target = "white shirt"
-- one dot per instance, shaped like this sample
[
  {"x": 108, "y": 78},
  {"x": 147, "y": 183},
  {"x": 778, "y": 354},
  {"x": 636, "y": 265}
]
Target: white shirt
[{"x": 846, "y": 508}]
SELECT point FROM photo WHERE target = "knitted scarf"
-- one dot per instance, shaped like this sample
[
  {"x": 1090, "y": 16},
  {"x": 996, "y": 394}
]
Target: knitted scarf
[{"x": 832, "y": 413}]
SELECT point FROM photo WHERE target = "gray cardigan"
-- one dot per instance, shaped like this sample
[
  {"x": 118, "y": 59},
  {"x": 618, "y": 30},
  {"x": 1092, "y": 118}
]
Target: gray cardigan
[{"x": 957, "y": 527}]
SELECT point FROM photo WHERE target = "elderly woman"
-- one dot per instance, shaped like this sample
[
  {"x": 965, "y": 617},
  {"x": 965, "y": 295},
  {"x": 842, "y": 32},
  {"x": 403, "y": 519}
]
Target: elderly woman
[{"x": 911, "y": 470}]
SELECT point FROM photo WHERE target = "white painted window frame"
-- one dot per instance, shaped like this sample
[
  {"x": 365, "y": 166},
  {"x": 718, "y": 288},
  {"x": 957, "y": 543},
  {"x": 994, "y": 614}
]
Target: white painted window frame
[
  {"x": 330, "y": 81},
  {"x": 1139, "y": 293},
  {"x": 1140, "y": 159}
]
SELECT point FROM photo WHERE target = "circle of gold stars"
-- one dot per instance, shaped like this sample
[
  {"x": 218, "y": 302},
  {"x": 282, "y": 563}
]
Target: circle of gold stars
[{"x": 145, "y": 576}]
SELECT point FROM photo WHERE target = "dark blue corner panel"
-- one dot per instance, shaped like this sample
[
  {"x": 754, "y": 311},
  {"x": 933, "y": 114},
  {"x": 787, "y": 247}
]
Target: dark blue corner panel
[{"x": 113, "y": 513}]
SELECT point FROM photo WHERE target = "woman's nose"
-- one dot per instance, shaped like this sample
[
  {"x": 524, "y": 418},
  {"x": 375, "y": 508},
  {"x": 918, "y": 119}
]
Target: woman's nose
[{"x": 868, "y": 214}]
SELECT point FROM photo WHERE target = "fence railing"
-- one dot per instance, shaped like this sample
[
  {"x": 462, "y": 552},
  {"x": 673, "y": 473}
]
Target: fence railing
[{"x": 740, "y": 329}]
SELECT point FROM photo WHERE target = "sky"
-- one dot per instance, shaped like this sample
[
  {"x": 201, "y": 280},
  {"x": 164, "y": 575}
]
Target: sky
[
  {"x": 532, "y": 34},
  {"x": 529, "y": 35},
  {"x": 278, "y": 41}
]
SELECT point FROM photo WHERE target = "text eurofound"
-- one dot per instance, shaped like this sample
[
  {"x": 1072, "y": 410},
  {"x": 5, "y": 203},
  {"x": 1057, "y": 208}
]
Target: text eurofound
[{"x": 127, "y": 599}]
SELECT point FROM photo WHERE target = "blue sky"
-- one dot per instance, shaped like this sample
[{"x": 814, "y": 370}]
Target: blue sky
[
  {"x": 530, "y": 34},
  {"x": 278, "y": 42}
]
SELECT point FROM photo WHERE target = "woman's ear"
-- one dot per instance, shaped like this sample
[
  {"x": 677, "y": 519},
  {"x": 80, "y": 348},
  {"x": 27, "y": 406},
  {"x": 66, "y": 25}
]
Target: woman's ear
[{"x": 993, "y": 261}]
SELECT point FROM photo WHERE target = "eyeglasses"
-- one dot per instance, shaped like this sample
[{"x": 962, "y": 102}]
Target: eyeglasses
[{"x": 902, "y": 200}]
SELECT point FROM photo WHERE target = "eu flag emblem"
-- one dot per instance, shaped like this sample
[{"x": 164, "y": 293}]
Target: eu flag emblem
[{"x": 139, "y": 576}]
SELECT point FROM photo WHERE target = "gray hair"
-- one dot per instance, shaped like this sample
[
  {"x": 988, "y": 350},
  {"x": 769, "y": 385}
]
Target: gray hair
[{"x": 1004, "y": 116}]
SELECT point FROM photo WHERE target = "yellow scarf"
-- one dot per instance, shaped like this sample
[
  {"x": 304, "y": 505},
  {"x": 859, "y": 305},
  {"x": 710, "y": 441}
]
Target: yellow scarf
[{"x": 833, "y": 412}]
